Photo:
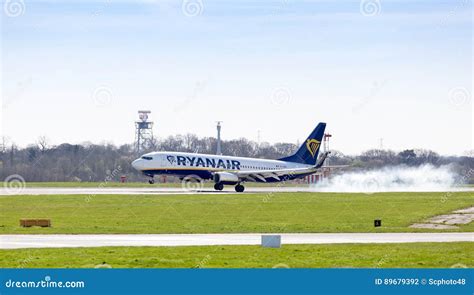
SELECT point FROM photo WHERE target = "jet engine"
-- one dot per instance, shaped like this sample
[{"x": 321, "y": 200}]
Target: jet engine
[{"x": 225, "y": 178}]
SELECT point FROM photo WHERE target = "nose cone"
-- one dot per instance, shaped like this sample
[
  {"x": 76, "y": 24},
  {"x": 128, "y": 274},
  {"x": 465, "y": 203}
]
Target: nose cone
[{"x": 136, "y": 164}]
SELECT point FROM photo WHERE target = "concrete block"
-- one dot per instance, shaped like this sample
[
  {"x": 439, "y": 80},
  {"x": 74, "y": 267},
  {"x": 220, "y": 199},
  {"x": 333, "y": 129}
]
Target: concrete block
[{"x": 271, "y": 241}]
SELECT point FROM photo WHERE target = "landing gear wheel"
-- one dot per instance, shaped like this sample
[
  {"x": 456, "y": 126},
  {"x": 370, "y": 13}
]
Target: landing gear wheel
[
  {"x": 151, "y": 181},
  {"x": 218, "y": 186},
  {"x": 239, "y": 188}
]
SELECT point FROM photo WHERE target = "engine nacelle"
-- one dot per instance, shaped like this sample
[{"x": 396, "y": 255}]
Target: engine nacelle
[{"x": 226, "y": 178}]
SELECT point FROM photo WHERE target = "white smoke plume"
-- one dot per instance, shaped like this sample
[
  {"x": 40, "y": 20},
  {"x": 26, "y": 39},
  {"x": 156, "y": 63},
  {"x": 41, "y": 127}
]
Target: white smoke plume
[{"x": 392, "y": 179}]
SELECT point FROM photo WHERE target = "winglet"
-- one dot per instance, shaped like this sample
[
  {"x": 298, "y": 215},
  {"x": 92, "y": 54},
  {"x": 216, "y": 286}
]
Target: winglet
[{"x": 321, "y": 160}]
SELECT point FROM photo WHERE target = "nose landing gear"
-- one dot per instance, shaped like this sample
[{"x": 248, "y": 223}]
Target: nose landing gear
[
  {"x": 151, "y": 181},
  {"x": 218, "y": 186}
]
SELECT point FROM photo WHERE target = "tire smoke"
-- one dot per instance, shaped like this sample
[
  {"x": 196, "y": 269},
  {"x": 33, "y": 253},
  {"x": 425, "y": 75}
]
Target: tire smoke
[{"x": 392, "y": 179}]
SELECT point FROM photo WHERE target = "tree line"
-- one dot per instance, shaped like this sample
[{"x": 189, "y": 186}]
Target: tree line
[{"x": 96, "y": 162}]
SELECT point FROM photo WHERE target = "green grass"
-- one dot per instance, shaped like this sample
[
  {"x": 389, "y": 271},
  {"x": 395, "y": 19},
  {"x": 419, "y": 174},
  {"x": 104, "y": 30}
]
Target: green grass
[
  {"x": 410, "y": 255},
  {"x": 228, "y": 213}
]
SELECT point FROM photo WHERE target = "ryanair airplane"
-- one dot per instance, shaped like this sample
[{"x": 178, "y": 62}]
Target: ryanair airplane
[{"x": 228, "y": 170}]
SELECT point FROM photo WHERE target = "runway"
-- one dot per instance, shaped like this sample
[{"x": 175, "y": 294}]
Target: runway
[
  {"x": 70, "y": 241},
  {"x": 143, "y": 190},
  {"x": 159, "y": 190}
]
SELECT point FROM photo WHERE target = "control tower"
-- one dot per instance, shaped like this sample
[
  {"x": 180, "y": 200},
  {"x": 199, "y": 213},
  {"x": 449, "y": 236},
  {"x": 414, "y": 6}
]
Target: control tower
[{"x": 143, "y": 131}]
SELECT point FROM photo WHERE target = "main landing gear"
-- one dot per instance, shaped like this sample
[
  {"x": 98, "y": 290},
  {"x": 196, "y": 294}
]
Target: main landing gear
[
  {"x": 238, "y": 188},
  {"x": 151, "y": 181},
  {"x": 218, "y": 186}
]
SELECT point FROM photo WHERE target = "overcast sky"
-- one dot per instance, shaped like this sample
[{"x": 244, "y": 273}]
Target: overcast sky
[{"x": 78, "y": 71}]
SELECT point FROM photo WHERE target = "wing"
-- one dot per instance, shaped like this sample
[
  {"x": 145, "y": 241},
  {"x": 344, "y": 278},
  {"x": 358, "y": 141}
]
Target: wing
[
  {"x": 281, "y": 174},
  {"x": 278, "y": 175}
]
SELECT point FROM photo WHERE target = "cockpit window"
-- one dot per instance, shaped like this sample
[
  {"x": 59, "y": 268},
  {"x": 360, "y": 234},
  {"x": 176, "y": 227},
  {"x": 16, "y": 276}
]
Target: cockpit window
[{"x": 147, "y": 158}]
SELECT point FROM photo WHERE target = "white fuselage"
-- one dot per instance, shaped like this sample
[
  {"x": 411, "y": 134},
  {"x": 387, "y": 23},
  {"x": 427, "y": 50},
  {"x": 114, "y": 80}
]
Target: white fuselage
[{"x": 203, "y": 165}]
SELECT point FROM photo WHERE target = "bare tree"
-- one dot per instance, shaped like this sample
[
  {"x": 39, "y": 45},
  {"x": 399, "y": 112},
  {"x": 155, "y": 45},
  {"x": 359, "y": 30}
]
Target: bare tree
[
  {"x": 43, "y": 143},
  {"x": 93, "y": 162},
  {"x": 4, "y": 144}
]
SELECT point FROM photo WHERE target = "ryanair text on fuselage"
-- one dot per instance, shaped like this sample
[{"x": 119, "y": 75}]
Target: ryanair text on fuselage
[{"x": 204, "y": 162}]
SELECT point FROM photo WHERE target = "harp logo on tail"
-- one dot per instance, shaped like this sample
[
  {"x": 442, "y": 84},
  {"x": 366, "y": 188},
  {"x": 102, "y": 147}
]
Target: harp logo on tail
[{"x": 312, "y": 145}]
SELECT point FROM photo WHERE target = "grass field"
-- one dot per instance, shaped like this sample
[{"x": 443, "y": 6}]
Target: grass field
[
  {"x": 229, "y": 213},
  {"x": 417, "y": 255}
]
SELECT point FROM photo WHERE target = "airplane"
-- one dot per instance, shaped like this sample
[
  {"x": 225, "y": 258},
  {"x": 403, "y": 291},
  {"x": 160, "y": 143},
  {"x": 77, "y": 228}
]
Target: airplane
[{"x": 229, "y": 170}]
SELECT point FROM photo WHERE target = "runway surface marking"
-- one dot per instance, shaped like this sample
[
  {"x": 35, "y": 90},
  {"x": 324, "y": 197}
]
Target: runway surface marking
[{"x": 60, "y": 240}]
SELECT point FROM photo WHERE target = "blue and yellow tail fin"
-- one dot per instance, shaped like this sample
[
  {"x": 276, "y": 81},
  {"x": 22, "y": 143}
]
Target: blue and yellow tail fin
[{"x": 309, "y": 150}]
